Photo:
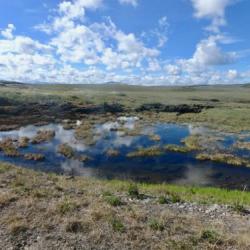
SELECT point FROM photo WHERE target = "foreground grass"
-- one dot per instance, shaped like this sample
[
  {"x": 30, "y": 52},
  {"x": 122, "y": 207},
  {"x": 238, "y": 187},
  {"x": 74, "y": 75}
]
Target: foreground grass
[{"x": 47, "y": 211}]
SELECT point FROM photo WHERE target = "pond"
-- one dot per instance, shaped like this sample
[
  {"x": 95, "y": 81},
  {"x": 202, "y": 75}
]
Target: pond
[{"x": 168, "y": 167}]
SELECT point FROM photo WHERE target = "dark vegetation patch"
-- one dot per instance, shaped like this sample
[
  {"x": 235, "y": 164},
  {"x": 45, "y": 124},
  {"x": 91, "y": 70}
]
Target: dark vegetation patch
[
  {"x": 76, "y": 227},
  {"x": 179, "y": 109},
  {"x": 14, "y": 114},
  {"x": 205, "y": 100}
]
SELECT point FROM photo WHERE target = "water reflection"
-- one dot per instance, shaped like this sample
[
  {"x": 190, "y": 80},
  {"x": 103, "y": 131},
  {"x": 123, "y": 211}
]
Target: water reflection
[{"x": 169, "y": 167}]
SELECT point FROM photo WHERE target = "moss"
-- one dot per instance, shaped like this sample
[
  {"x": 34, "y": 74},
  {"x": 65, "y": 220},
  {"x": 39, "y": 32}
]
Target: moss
[
  {"x": 66, "y": 150},
  {"x": 177, "y": 148},
  {"x": 146, "y": 152}
]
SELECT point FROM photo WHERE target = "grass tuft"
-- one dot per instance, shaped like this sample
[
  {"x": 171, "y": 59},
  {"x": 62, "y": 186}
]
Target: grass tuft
[
  {"x": 113, "y": 200},
  {"x": 66, "y": 206},
  {"x": 117, "y": 225},
  {"x": 156, "y": 225},
  {"x": 75, "y": 227},
  {"x": 210, "y": 236}
]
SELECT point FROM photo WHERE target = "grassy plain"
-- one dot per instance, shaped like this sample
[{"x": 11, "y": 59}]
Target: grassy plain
[{"x": 230, "y": 112}]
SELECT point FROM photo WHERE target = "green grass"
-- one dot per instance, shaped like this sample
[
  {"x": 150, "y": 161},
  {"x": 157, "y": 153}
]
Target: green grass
[{"x": 204, "y": 195}]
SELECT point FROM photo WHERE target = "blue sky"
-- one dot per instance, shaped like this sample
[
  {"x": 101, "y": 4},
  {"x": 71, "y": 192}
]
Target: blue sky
[{"x": 146, "y": 42}]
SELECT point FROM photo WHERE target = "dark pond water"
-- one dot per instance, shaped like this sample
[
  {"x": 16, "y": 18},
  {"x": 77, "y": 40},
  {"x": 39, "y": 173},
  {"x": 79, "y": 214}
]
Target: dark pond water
[{"x": 170, "y": 167}]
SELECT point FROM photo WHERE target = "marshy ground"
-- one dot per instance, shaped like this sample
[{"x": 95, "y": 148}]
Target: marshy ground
[{"x": 75, "y": 131}]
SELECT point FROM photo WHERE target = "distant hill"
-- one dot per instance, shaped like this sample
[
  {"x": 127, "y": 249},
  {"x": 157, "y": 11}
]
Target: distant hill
[{"x": 3, "y": 82}]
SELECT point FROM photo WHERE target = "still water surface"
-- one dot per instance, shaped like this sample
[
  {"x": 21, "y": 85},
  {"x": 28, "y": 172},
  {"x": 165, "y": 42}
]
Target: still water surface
[{"x": 170, "y": 167}]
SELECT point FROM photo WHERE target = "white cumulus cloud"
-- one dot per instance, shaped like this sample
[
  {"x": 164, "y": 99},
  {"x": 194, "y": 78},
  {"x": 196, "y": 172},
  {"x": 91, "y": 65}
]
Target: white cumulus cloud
[{"x": 212, "y": 9}]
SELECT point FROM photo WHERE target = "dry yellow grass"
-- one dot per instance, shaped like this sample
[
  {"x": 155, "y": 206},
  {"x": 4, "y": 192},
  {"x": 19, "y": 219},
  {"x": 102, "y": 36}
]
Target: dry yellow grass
[{"x": 46, "y": 211}]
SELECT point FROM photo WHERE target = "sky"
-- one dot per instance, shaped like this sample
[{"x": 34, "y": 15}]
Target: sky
[{"x": 144, "y": 42}]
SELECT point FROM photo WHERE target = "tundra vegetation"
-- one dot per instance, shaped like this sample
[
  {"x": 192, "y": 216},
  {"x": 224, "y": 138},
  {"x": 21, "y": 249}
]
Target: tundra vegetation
[
  {"x": 146, "y": 152},
  {"x": 222, "y": 107},
  {"x": 66, "y": 150},
  {"x": 224, "y": 158},
  {"x": 42, "y": 210},
  {"x": 177, "y": 148},
  {"x": 43, "y": 136}
]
